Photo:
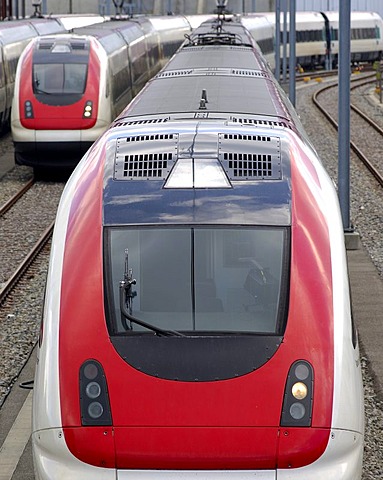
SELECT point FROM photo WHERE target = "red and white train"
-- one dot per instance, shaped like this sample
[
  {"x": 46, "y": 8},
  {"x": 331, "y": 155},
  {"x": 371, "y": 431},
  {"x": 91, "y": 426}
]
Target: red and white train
[
  {"x": 15, "y": 36},
  {"x": 71, "y": 86},
  {"x": 197, "y": 319}
]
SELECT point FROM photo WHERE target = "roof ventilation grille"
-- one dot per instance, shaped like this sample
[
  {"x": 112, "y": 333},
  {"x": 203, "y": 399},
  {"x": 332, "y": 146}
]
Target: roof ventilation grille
[
  {"x": 248, "y": 165},
  {"x": 140, "y": 122},
  {"x": 255, "y": 121},
  {"x": 77, "y": 45},
  {"x": 148, "y": 138},
  {"x": 250, "y": 73},
  {"x": 213, "y": 71},
  {"x": 239, "y": 136},
  {"x": 250, "y": 157},
  {"x": 145, "y": 157},
  {"x": 146, "y": 166},
  {"x": 45, "y": 45}
]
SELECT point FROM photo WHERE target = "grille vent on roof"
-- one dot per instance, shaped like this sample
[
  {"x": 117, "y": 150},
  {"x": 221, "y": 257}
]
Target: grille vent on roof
[
  {"x": 78, "y": 45},
  {"x": 140, "y": 122},
  {"x": 249, "y": 157},
  {"x": 214, "y": 47},
  {"x": 267, "y": 123},
  {"x": 192, "y": 72},
  {"x": 45, "y": 46},
  {"x": 145, "y": 157}
]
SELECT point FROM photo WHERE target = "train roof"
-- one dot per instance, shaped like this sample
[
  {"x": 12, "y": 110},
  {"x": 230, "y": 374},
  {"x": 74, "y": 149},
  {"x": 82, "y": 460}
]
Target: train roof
[
  {"x": 102, "y": 30},
  {"x": 192, "y": 148},
  {"x": 71, "y": 21},
  {"x": 219, "y": 72},
  {"x": 51, "y": 49},
  {"x": 187, "y": 172},
  {"x": 16, "y": 30},
  {"x": 114, "y": 34},
  {"x": 355, "y": 16},
  {"x": 302, "y": 19}
]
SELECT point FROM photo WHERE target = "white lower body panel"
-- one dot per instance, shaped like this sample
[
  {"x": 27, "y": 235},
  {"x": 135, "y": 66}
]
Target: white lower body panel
[
  {"x": 342, "y": 460},
  {"x": 197, "y": 475}
]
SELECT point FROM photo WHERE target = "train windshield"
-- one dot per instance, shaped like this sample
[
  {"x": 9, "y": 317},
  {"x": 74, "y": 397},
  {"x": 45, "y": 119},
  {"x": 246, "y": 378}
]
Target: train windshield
[
  {"x": 197, "y": 280},
  {"x": 59, "y": 78}
]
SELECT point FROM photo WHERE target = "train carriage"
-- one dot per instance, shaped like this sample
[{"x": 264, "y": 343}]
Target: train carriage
[
  {"x": 197, "y": 320},
  {"x": 366, "y": 36},
  {"x": 53, "y": 127},
  {"x": 14, "y": 37}
]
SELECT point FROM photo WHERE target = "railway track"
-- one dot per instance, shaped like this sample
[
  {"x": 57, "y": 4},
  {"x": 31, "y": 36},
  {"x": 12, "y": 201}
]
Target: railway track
[
  {"x": 12, "y": 282},
  {"x": 27, "y": 218},
  {"x": 362, "y": 122},
  {"x": 9, "y": 203}
]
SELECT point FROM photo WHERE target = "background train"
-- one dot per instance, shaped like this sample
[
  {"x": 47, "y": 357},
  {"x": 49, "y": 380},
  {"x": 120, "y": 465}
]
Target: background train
[
  {"x": 70, "y": 87},
  {"x": 197, "y": 320},
  {"x": 52, "y": 126},
  {"x": 317, "y": 37},
  {"x": 15, "y": 36}
]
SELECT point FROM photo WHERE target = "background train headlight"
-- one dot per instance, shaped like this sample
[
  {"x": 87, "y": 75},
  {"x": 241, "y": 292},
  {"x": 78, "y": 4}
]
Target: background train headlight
[
  {"x": 28, "y": 109},
  {"x": 90, "y": 371},
  {"x": 88, "y": 109},
  {"x": 298, "y": 397},
  {"x": 94, "y": 398}
]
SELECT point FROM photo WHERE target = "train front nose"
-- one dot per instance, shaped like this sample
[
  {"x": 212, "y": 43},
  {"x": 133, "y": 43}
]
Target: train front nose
[{"x": 197, "y": 425}]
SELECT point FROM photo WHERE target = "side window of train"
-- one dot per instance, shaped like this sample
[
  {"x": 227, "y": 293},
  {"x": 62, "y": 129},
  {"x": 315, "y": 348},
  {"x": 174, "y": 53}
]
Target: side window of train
[{"x": 334, "y": 34}]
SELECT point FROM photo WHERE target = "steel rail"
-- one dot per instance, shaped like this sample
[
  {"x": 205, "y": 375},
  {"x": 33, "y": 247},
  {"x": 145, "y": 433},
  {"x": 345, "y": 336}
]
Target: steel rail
[
  {"x": 353, "y": 146},
  {"x": 26, "y": 263},
  {"x": 9, "y": 204}
]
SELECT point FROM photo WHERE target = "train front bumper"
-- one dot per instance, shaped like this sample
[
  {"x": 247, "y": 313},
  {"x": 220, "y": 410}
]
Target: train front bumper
[{"x": 342, "y": 460}]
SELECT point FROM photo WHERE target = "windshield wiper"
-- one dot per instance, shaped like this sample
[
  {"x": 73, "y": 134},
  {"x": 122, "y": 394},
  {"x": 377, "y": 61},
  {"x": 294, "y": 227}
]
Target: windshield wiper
[
  {"x": 43, "y": 92},
  {"x": 124, "y": 294},
  {"x": 126, "y": 299}
]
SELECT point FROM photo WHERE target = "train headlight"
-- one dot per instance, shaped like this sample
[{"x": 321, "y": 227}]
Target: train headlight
[
  {"x": 90, "y": 371},
  {"x": 94, "y": 398},
  {"x": 88, "y": 109},
  {"x": 298, "y": 397},
  {"x": 299, "y": 390},
  {"x": 95, "y": 410},
  {"x": 297, "y": 411},
  {"x": 28, "y": 109},
  {"x": 93, "y": 390},
  {"x": 301, "y": 371}
]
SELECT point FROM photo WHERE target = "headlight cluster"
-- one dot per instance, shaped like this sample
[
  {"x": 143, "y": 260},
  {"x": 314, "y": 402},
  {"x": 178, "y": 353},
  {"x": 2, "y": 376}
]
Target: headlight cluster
[
  {"x": 94, "y": 400},
  {"x": 88, "y": 109},
  {"x": 297, "y": 403},
  {"x": 28, "y": 109}
]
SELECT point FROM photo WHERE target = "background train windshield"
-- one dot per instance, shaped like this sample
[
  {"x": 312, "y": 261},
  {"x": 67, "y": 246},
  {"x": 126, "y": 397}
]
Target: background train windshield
[
  {"x": 193, "y": 279},
  {"x": 59, "y": 78}
]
